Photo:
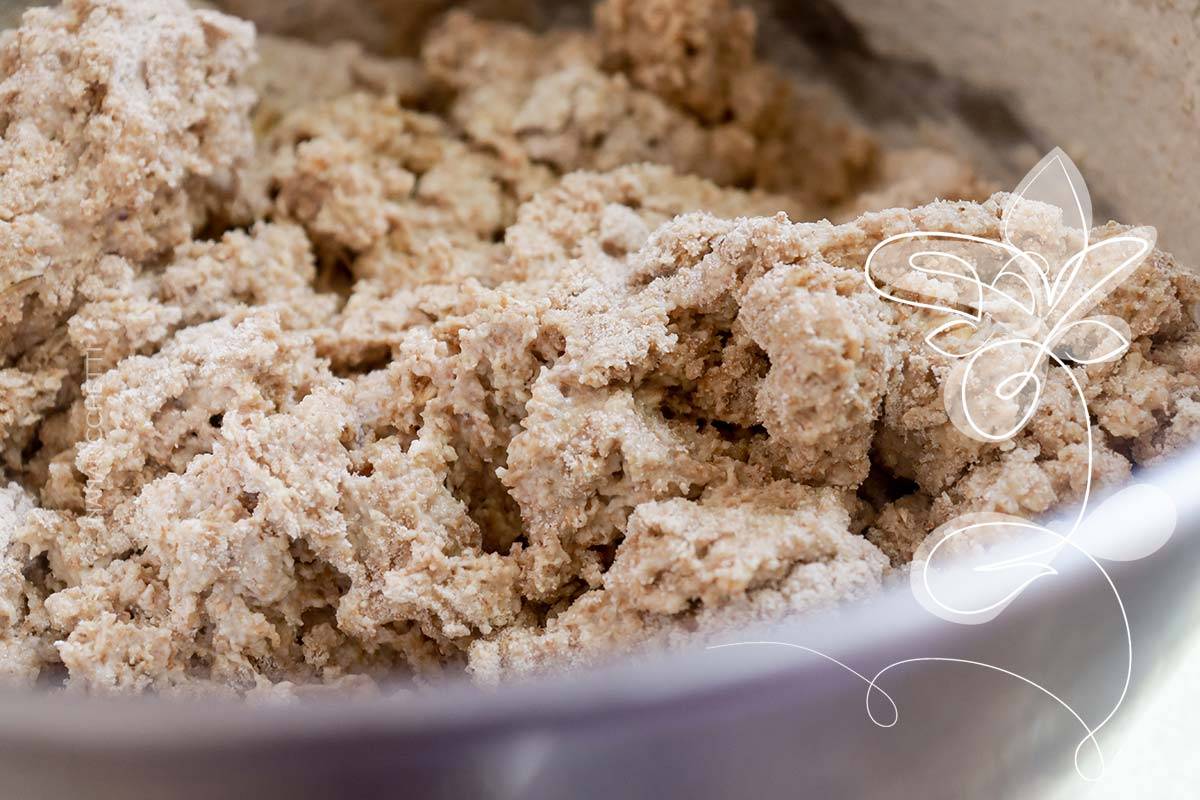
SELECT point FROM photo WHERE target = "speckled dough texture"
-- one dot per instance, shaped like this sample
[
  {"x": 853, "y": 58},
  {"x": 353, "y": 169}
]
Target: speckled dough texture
[{"x": 321, "y": 368}]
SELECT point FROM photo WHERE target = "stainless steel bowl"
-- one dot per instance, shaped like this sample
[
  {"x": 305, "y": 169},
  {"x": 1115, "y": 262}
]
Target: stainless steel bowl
[
  {"x": 768, "y": 720},
  {"x": 751, "y": 721}
]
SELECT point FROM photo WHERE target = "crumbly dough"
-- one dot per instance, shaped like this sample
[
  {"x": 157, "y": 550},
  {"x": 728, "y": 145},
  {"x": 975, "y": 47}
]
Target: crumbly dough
[{"x": 322, "y": 368}]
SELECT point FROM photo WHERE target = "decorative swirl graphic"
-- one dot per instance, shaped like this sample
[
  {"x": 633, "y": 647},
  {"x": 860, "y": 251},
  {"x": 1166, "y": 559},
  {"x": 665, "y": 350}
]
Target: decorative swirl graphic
[{"x": 1003, "y": 312}]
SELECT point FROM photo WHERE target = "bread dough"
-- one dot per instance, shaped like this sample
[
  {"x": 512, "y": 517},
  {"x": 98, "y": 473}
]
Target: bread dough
[{"x": 532, "y": 350}]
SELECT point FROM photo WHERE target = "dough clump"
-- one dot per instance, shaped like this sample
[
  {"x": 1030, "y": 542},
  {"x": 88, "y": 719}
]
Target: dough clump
[{"x": 321, "y": 368}]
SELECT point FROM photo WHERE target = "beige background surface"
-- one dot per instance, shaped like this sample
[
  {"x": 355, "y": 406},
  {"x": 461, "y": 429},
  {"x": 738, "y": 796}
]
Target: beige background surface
[{"x": 1115, "y": 83}]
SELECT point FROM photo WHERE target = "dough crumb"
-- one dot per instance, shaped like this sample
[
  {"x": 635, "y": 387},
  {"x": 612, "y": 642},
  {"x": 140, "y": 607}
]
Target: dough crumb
[{"x": 323, "y": 369}]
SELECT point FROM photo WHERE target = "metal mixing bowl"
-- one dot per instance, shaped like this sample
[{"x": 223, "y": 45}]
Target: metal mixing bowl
[{"x": 764, "y": 720}]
